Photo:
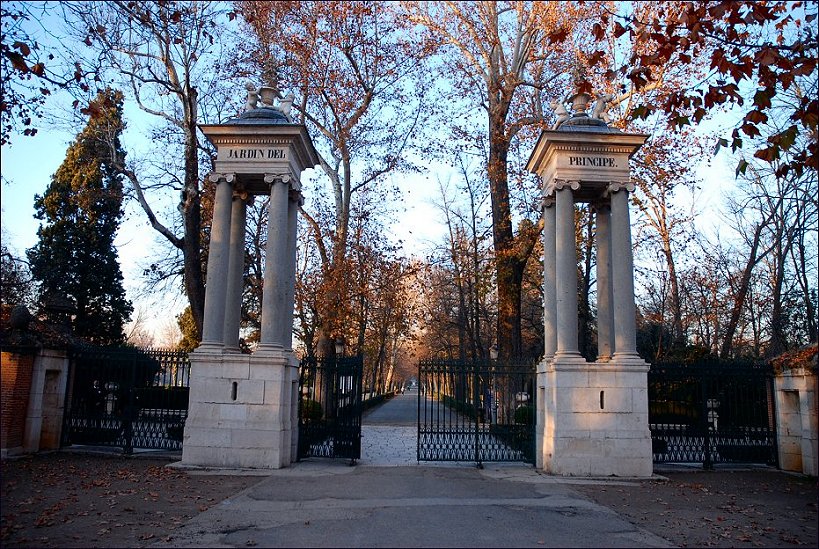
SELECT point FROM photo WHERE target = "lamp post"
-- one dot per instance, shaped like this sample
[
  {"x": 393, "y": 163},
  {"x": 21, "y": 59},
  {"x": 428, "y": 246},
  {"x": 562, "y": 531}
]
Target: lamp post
[
  {"x": 493, "y": 392},
  {"x": 339, "y": 344}
]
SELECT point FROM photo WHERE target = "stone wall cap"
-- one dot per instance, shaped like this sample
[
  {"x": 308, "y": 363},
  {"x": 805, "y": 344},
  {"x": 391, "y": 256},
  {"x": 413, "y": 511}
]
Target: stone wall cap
[
  {"x": 586, "y": 125},
  {"x": 261, "y": 115}
]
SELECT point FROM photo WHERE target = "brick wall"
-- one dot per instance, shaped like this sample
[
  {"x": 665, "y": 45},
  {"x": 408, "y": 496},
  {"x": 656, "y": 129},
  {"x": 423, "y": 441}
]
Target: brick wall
[{"x": 15, "y": 372}]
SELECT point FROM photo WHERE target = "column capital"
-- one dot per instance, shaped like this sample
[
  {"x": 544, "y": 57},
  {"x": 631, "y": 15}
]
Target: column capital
[
  {"x": 274, "y": 177},
  {"x": 616, "y": 186},
  {"x": 297, "y": 197},
  {"x": 546, "y": 202},
  {"x": 560, "y": 184},
  {"x": 214, "y": 177},
  {"x": 242, "y": 194}
]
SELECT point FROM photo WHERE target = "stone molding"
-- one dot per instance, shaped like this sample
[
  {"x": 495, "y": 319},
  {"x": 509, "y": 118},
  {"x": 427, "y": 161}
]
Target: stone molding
[
  {"x": 586, "y": 148},
  {"x": 250, "y": 141}
]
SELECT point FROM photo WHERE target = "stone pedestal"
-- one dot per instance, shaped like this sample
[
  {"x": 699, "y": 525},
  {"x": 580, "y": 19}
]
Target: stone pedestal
[
  {"x": 240, "y": 411},
  {"x": 46, "y": 406},
  {"x": 596, "y": 419}
]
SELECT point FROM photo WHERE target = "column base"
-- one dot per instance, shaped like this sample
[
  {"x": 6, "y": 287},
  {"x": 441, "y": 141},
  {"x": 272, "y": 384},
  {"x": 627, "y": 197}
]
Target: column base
[
  {"x": 595, "y": 420},
  {"x": 628, "y": 358},
  {"x": 569, "y": 356},
  {"x": 240, "y": 414},
  {"x": 209, "y": 347},
  {"x": 269, "y": 349}
]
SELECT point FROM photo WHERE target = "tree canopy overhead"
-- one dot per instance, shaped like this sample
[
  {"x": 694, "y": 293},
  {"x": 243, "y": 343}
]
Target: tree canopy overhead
[
  {"x": 356, "y": 70},
  {"x": 755, "y": 51}
]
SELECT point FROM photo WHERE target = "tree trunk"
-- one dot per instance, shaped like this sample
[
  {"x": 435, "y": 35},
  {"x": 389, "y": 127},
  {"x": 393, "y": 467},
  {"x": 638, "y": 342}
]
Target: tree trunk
[
  {"x": 193, "y": 278},
  {"x": 800, "y": 262},
  {"x": 677, "y": 331},
  {"x": 509, "y": 274},
  {"x": 779, "y": 341},
  {"x": 742, "y": 292}
]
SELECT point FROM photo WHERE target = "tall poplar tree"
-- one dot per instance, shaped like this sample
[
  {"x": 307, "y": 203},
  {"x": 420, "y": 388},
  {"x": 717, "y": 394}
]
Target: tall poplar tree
[{"x": 81, "y": 210}]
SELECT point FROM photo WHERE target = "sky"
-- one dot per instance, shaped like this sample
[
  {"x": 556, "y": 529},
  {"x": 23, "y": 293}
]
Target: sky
[{"x": 29, "y": 162}]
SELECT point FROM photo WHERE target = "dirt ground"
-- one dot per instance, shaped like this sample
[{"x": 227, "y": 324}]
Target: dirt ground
[
  {"x": 82, "y": 500},
  {"x": 722, "y": 508}
]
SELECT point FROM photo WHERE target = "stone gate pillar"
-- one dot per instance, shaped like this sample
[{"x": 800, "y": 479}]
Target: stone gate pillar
[
  {"x": 241, "y": 407},
  {"x": 592, "y": 417}
]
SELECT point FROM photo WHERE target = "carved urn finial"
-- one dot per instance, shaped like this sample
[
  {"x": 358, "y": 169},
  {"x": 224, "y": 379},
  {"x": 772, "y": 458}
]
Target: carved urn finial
[{"x": 580, "y": 102}]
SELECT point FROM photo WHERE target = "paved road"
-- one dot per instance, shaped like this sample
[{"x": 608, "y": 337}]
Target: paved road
[
  {"x": 399, "y": 410},
  {"x": 325, "y": 503},
  {"x": 389, "y": 433},
  {"x": 390, "y": 500}
]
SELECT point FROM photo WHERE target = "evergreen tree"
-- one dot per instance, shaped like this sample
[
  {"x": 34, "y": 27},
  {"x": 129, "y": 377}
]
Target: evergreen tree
[
  {"x": 82, "y": 209},
  {"x": 187, "y": 325},
  {"x": 15, "y": 280}
]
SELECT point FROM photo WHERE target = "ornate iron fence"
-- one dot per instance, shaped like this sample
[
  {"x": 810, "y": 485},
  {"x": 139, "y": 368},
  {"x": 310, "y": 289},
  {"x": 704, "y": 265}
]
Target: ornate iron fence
[
  {"x": 712, "y": 412},
  {"x": 476, "y": 411},
  {"x": 126, "y": 397},
  {"x": 330, "y": 407}
]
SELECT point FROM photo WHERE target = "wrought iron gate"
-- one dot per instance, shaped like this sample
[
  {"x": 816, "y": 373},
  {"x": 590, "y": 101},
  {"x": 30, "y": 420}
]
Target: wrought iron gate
[
  {"x": 127, "y": 398},
  {"x": 476, "y": 411},
  {"x": 330, "y": 407},
  {"x": 712, "y": 412}
]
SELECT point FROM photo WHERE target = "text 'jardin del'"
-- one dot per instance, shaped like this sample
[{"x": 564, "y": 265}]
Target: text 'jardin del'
[{"x": 256, "y": 154}]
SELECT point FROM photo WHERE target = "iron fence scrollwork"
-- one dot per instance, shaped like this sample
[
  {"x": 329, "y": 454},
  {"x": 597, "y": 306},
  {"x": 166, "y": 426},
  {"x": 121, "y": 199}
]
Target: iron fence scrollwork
[
  {"x": 127, "y": 398},
  {"x": 330, "y": 407},
  {"x": 712, "y": 412},
  {"x": 481, "y": 411}
]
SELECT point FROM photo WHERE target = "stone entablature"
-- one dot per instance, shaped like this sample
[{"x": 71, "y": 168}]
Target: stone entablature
[
  {"x": 251, "y": 151},
  {"x": 593, "y": 160}
]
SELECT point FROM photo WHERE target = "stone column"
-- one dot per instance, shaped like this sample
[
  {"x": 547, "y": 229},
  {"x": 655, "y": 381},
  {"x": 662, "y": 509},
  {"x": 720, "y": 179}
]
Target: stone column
[
  {"x": 290, "y": 295},
  {"x": 622, "y": 268},
  {"x": 276, "y": 263},
  {"x": 236, "y": 267},
  {"x": 605, "y": 313},
  {"x": 549, "y": 278},
  {"x": 218, "y": 257},
  {"x": 566, "y": 271}
]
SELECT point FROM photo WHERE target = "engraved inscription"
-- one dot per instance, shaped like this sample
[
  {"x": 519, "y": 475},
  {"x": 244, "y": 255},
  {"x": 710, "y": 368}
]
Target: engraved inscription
[
  {"x": 595, "y": 161},
  {"x": 256, "y": 154}
]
